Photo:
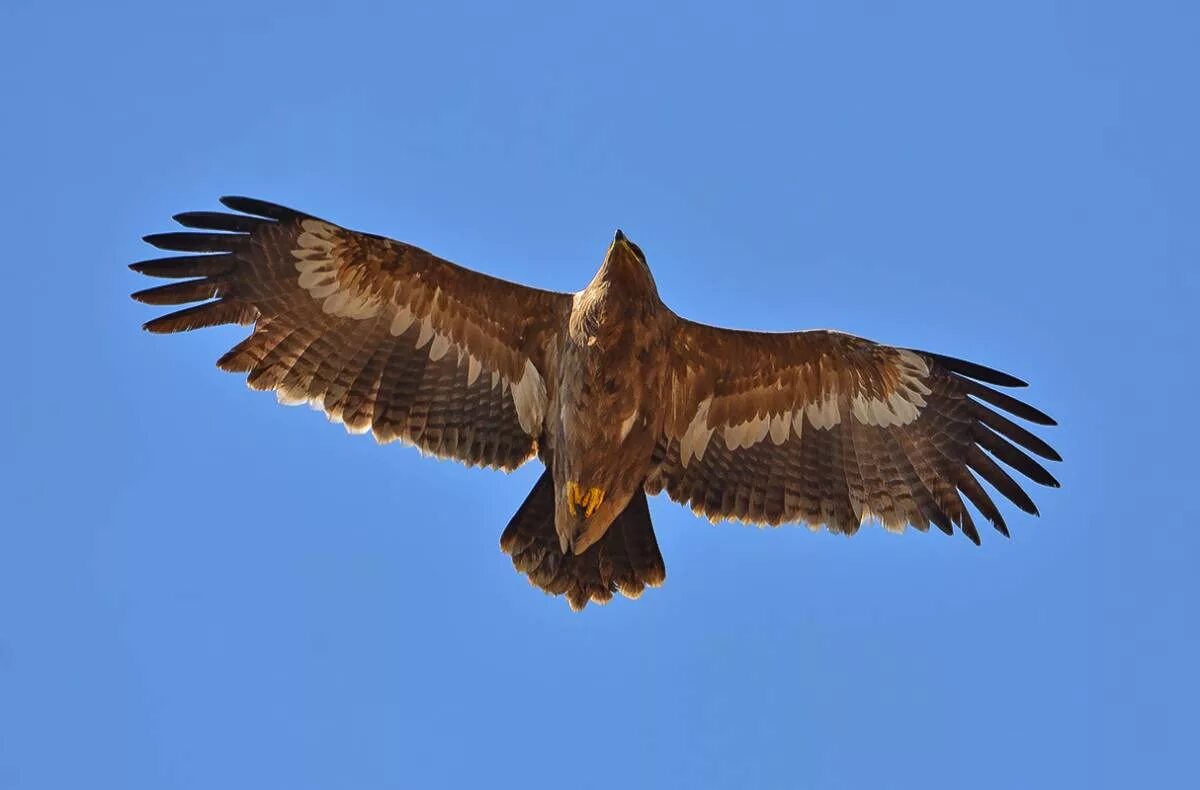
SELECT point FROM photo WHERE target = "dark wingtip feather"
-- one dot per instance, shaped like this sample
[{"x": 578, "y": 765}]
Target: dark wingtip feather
[
  {"x": 989, "y": 470},
  {"x": 183, "y": 241},
  {"x": 969, "y": 486},
  {"x": 219, "y": 220},
  {"x": 1047, "y": 420},
  {"x": 995, "y": 518},
  {"x": 182, "y": 266},
  {"x": 259, "y": 208},
  {"x": 976, "y": 371},
  {"x": 1006, "y": 402},
  {"x": 177, "y": 293},
  {"x": 1011, "y": 430},
  {"x": 221, "y": 311},
  {"x": 940, "y": 520},
  {"x": 998, "y": 446},
  {"x": 160, "y": 325},
  {"x": 967, "y": 525}
]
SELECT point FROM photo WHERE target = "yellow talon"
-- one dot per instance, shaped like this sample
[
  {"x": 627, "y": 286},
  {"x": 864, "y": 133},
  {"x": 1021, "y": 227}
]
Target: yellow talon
[
  {"x": 588, "y": 500},
  {"x": 594, "y": 497},
  {"x": 572, "y": 492}
]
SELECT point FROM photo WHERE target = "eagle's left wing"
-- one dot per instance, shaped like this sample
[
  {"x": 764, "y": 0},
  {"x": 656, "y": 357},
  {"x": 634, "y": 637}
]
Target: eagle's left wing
[
  {"x": 827, "y": 428},
  {"x": 381, "y": 335}
]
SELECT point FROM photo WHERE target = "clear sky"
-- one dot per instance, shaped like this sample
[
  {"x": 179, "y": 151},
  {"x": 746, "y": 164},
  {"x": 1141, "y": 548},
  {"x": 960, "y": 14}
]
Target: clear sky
[{"x": 202, "y": 589}]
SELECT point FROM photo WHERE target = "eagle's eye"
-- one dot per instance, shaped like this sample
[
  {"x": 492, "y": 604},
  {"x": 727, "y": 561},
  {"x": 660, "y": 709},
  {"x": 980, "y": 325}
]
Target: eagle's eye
[{"x": 637, "y": 251}]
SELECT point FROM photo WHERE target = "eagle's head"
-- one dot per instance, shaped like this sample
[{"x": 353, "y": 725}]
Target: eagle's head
[{"x": 625, "y": 268}]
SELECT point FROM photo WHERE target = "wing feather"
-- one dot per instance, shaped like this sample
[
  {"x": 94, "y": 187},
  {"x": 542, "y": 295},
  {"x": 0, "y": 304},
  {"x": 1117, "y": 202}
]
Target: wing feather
[
  {"x": 876, "y": 432},
  {"x": 182, "y": 266},
  {"x": 1006, "y": 402},
  {"x": 381, "y": 335}
]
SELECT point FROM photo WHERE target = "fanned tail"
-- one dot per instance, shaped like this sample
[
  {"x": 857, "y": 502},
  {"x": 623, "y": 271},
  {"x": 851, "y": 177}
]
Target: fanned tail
[{"x": 625, "y": 560}]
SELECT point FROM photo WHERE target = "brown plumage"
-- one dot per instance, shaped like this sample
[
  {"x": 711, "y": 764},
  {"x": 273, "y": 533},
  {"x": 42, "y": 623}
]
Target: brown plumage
[{"x": 614, "y": 393}]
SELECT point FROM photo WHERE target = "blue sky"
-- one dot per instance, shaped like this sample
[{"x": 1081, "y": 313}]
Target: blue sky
[{"x": 199, "y": 588}]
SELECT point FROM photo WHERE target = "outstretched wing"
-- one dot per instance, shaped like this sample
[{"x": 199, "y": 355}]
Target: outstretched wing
[
  {"x": 381, "y": 335},
  {"x": 827, "y": 428}
]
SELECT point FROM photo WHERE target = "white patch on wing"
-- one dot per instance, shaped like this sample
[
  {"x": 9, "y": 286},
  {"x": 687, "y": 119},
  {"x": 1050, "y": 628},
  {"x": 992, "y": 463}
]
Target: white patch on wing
[
  {"x": 904, "y": 411},
  {"x": 902, "y": 406},
  {"x": 781, "y": 426},
  {"x": 627, "y": 425},
  {"x": 824, "y": 414},
  {"x": 426, "y": 333},
  {"x": 362, "y": 306},
  {"x": 747, "y": 433},
  {"x": 858, "y": 407},
  {"x": 870, "y": 411},
  {"x": 733, "y": 436},
  {"x": 318, "y": 274},
  {"x": 529, "y": 399},
  {"x": 913, "y": 397},
  {"x": 312, "y": 278},
  {"x": 798, "y": 422},
  {"x": 473, "y": 370},
  {"x": 439, "y": 347},
  {"x": 334, "y": 302},
  {"x": 402, "y": 321},
  {"x": 695, "y": 438},
  {"x": 323, "y": 289},
  {"x": 914, "y": 363}
]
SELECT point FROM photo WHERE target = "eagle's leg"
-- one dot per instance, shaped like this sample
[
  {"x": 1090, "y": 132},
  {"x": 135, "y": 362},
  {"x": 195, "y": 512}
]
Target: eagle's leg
[{"x": 625, "y": 559}]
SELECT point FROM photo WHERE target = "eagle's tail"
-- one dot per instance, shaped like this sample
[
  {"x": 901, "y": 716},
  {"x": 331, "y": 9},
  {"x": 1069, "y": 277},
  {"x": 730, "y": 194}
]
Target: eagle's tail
[{"x": 625, "y": 560}]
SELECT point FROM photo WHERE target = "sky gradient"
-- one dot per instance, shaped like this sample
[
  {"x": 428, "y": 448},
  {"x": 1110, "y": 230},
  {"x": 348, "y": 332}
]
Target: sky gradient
[{"x": 201, "y": 589}]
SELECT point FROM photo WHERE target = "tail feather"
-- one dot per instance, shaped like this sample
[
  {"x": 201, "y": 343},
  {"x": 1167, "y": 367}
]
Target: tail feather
[{"x": 625, "y": 560}]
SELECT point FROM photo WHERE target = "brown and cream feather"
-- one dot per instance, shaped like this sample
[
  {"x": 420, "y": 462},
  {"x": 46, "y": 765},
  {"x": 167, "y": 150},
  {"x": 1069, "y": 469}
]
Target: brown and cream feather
[
  {"x": 382, "y": 336},
  {"x": 829, "y": 429}
]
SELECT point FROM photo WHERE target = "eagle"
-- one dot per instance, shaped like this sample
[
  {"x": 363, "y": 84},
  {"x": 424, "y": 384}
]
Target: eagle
[{"x": 615, "y": 394}]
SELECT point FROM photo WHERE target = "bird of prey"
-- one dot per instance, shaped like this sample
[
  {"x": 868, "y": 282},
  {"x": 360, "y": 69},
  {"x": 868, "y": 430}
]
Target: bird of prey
[{"x": 613, "y": 392}]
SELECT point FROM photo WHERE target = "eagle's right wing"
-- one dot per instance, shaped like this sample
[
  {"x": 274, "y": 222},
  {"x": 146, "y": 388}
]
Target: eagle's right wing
[
  {"x": 381, "y": 335},
  {"x": 827, "y": 428}
]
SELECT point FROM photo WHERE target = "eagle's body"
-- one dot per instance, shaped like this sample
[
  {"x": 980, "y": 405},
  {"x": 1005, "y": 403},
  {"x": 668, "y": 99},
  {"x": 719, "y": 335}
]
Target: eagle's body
[
  {"x": 611, "y": 394},
  {"x": 617, "y": 395}
]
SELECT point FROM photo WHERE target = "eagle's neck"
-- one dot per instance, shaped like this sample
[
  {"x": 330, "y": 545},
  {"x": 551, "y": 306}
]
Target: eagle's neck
[
  {"x": 606, "y": 307},
  {"x": 626, "y": 278}
]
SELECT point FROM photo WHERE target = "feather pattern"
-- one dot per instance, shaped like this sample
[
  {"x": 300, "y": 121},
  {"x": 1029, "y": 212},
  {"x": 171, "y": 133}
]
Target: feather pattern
[
  {"x": 370, "y": 330},
  {"x": 880, "y": 433}
]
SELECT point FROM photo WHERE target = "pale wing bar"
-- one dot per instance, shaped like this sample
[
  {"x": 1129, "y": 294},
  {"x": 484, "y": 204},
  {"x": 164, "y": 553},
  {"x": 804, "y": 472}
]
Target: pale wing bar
[
  {"x": 380, "y": 335},
  {"x": 828, "y": 429}
]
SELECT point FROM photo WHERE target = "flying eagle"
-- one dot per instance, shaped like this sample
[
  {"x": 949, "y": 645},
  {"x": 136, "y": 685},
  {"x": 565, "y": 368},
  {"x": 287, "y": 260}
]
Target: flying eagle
[{"x": 618, "y": 396}]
